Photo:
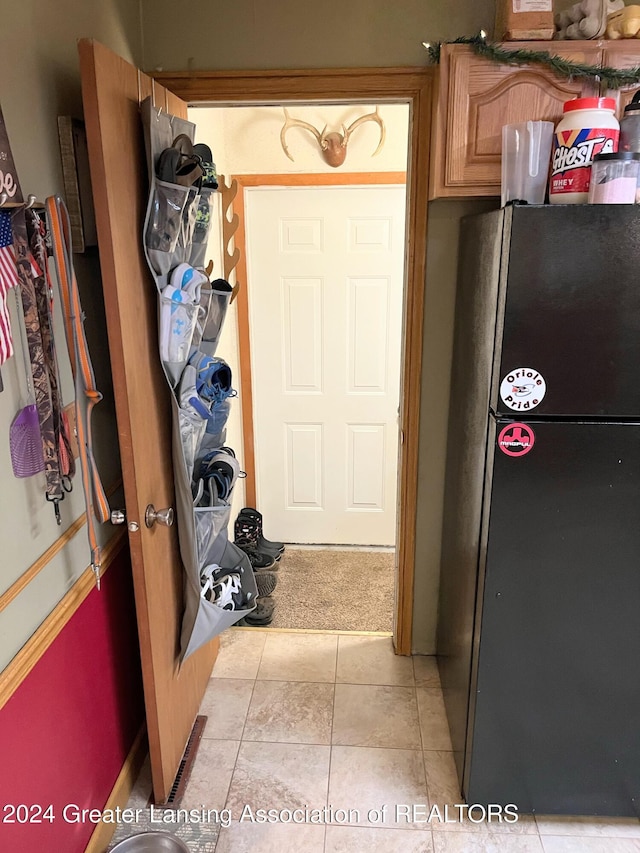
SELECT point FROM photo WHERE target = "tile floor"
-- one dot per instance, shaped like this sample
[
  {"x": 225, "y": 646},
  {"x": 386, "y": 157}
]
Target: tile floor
[{"x": 308, "y": 720}]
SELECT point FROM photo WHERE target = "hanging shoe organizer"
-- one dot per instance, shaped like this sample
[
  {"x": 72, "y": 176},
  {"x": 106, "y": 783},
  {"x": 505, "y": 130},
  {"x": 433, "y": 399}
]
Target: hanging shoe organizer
[{"x": 191, "y": 313}]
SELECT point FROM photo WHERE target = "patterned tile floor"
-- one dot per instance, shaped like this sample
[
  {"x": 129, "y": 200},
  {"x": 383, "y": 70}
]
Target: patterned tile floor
[{"x": 301, "y": 721}]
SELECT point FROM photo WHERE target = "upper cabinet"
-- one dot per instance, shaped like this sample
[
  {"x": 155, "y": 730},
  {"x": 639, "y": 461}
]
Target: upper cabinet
[
  {"x": 476, "y": 97},
  {"x": 622, "y": 54}
]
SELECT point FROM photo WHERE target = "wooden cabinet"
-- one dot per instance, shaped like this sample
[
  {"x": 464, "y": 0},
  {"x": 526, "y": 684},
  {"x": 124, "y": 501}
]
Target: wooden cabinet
[
  {"x": 622, "y": 54},
  {"x": 476, "y": 97}
]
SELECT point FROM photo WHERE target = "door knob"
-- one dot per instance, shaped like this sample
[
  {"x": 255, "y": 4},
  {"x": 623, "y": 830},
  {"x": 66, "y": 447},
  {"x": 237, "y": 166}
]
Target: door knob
[
  {"x": 119, "y": 516},
  {"x": 162, "y": 516}
]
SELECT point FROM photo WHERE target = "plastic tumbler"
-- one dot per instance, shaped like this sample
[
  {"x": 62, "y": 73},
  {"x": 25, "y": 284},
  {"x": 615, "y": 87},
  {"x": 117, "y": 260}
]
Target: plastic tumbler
[{"x": 526, "y": 153}]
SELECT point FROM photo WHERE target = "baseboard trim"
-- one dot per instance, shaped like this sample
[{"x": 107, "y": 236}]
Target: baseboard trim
[
  {"x": 21, "y": 665},
  {"x": 120, "y": 793},
  {"x": 270, "y": 630}
]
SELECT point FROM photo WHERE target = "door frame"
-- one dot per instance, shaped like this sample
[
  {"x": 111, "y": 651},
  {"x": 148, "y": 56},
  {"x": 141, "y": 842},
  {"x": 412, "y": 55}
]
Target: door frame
[{"x": 413, "y": 86}]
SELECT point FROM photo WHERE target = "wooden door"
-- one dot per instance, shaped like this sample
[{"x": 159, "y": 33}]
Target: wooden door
[
  {"x": 325, "y": 277},
  {"x": 112, "y": 90},
  {"x": 477, "y": 97}
]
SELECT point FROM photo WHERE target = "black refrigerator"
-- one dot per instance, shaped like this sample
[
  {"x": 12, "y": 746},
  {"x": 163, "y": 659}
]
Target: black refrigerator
[{"x": 539, "y": 612}]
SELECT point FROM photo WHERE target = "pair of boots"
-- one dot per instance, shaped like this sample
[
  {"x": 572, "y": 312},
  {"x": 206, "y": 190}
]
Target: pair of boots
[
  {"x": 262, "y": 553},
  {"x": 263, "y": 556}
]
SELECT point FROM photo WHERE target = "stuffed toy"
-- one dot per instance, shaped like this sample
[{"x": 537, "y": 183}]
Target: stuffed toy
[{"x": 624, "y": 24}]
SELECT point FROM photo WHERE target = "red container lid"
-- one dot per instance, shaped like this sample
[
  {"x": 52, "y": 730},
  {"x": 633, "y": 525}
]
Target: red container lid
[{"x": 590, "y": 104}]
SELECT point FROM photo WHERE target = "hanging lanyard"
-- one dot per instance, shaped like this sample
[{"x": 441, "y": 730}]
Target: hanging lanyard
[
  {"x": 87, "y": 395},
  {"x": 44, "y": 298}
]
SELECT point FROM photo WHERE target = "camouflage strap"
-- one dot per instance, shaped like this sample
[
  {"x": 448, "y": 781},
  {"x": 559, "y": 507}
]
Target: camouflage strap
[
  {"x": 36, "y": 231},
  {"x": 40, "y": 375}
]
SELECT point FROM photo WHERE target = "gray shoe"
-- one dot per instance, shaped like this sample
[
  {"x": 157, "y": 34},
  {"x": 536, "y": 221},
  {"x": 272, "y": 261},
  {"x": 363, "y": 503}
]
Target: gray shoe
[{"x": 266, "y": 582}]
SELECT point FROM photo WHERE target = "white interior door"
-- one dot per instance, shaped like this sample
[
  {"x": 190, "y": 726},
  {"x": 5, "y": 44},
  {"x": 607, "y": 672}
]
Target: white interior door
[{"x": 325, "y": 278}]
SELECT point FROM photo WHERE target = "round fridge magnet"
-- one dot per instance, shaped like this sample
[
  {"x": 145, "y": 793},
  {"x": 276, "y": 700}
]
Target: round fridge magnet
[
  {"x": 516, "y": 439},
  {"x": 523, "y": 389}
]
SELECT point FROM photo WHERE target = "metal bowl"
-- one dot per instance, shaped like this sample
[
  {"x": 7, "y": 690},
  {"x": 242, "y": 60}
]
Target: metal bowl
[{"x": 151, "y": 842}]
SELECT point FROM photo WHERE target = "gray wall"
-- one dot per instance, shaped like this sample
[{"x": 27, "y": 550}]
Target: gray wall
[
  {"x": 40, "y": 80},
  {"x": 240, "y": 34}
]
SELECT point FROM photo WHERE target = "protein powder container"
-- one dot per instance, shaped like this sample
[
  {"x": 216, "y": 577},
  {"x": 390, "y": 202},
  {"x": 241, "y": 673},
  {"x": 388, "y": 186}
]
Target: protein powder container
[{"x": 589, "y": 127}]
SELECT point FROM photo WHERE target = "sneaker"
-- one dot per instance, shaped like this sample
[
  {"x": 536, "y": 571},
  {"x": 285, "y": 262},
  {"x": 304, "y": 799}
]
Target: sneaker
[
  {"x": 221, "y": 469},
  {"x": 258, "y": 559},
  {"x": 188, "y": 279},
  {"x": 177, "y": 323},
  {"x": 224, "y": 590}
]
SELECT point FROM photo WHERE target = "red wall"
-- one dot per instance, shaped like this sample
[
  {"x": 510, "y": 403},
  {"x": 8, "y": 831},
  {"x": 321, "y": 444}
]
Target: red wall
[{"x": 66, "y": 731}]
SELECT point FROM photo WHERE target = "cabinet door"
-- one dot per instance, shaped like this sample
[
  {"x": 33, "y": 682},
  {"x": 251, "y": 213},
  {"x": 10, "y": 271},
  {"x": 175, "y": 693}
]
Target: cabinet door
[
  {"x": 622, "y": 54},
  {"x": 477, "y": 97}
]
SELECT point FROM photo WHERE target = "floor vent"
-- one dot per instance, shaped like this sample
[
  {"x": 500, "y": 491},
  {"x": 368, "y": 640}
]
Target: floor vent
[{"x": 186, "y": 765}]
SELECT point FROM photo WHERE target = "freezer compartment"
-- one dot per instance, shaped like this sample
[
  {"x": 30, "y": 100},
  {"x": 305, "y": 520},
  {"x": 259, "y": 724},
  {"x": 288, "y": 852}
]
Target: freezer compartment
[
  {"x": 555, "y": 686},
  {"x": 568, "y": 341}
]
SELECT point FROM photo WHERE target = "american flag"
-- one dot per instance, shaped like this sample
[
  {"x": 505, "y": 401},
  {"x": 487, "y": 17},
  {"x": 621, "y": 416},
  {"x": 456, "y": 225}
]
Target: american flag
[{"x": 8, "y": 279}]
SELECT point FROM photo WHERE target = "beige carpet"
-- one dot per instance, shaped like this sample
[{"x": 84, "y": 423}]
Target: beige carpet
[{"x": 334, "y": 590}]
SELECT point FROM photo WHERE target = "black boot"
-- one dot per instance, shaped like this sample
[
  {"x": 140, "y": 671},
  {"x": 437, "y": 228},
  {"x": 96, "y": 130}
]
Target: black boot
[
  {"x": 246, "y": 539},
  {"x": 245, "y": 530},
  {"x": 252, "y": 519}
]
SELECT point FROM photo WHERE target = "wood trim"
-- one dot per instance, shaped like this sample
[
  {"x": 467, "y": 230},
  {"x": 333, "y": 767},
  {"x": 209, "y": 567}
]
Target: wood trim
[
  {"x": 19, "y": 668},
  {"x": 121, "y": 791},
  {"x": 310, "y": 179},
  {"x": 416, "y": 265},
  {"x": 408, "y": 85},
  {"x": 322, "y": 179},
  {"x": 44, "y": 559},
  {"x": 321, "y": 84},
  {"x": 244, "y": 349}
]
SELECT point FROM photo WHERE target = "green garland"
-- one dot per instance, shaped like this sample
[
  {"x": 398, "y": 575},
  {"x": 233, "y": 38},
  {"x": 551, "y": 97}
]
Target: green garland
[{"x": 609, "y": 78}]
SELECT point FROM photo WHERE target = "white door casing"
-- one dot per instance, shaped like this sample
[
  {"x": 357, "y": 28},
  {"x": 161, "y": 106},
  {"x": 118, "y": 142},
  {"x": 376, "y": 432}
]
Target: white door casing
[{"x": 325, "y": 282}]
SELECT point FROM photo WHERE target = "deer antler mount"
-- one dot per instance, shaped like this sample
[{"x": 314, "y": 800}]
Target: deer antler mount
[{"x": 332, "y": 145}]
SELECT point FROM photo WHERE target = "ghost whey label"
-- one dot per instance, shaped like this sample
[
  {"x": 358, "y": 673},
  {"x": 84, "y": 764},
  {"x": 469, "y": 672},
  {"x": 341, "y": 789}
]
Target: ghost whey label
[{"x": 573, "y": 153}]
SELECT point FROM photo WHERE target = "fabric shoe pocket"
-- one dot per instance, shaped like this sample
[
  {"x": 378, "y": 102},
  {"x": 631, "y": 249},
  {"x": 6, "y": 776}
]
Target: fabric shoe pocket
[
  {"x": 211, "y": 533},
  {"x": 164, "y": 226},
  {"x": 221, "y": 292},
  {"x": 191, "y": 432},
  {"x": 214, "y": 440},
  {"x": 177, "y": 324},
  {"x": 210, "y": 619},
  {"x": 202, "y": 227}
]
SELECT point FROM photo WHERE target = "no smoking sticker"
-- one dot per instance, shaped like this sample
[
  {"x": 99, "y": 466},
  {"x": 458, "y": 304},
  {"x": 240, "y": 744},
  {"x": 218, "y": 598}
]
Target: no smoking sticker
[
  {"x": 523, "y": 389},
  {"x": 516, "y": 439}
]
